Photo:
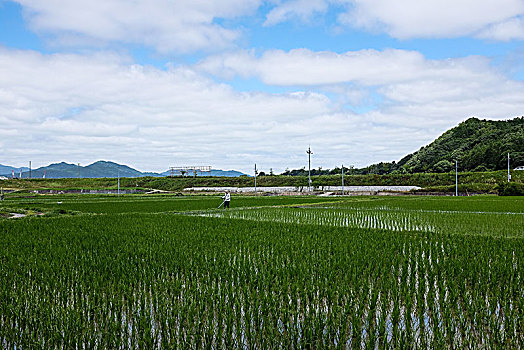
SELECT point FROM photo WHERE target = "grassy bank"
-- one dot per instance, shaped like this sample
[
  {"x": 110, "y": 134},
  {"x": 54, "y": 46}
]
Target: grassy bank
[{"x": 445, "y": 182}]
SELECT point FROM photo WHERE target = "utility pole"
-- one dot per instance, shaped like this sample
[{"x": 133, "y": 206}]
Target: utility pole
[
  {"x": 456, "y": 178},
  {"x": 256, "y": 172},
  {"x": 509, "y": 175},
  {"x": 342, "y": 179},
  {"x": 118, "y": 182},
  {"x": 309, "y": 168}
]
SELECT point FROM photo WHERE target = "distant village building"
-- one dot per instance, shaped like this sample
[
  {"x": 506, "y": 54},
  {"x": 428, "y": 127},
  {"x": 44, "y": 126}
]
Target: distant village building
[
  {"x": 519, "y": 168},
  {"x": 4, "y": 178}
]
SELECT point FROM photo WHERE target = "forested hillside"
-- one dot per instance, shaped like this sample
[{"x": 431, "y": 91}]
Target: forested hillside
[{"x": 478, "y": 145}]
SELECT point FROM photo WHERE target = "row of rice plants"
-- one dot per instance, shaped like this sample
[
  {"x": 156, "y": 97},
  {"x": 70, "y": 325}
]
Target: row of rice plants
[
  {"x": 171, "y": 281},
  {"x": 484, "y": 203},
  {"x": 497, "y": 224},
  {"x": 135, "y": 204}
]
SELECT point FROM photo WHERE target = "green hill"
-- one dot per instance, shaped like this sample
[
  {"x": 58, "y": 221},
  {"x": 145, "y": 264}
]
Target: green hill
[{"x": 477, "y": 145}]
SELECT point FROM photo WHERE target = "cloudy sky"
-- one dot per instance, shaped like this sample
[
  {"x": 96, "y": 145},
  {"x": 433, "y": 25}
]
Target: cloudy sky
[{"x": 231, "y": 83}]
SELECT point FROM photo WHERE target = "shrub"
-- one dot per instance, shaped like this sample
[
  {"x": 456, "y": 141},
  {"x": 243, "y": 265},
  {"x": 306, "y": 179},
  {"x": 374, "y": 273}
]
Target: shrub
[{"x": 511, "y": 189}]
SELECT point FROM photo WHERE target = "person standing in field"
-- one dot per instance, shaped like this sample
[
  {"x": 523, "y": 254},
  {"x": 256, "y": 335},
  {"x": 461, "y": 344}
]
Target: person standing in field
[{"x": 227, "y": 199}]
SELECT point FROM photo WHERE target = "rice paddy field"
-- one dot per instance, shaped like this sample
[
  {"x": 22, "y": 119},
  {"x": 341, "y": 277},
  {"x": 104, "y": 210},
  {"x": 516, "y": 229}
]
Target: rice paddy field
[{"x": 269, "y": 273}]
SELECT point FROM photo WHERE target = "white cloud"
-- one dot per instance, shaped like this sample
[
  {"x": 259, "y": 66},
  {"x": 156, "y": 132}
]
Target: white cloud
[
  {"x": 84, "y": 108},
  {"x": 430, "y": 18},
  {"x": 303, "y": 9},
  {"x": 304, "y": 67},
  {"x": 406, "y": 19},
  {"x": 185, "y": 26},
  {"x": 163, "y": 24},
  {"x": 81, "y": 109},
  {"x": 512, "y": 29},
  {"x": 413, "y": 93}
]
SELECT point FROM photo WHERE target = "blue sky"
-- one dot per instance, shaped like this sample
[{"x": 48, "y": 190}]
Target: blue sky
[{"x": 162, "y": 83}]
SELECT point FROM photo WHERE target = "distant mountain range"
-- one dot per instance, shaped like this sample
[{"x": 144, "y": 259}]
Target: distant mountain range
[
  {"x": 5, "y": 169},
  {"x": 98, "y": 169}
]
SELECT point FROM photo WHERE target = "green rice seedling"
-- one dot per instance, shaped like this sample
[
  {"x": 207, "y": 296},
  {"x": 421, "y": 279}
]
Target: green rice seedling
[
  {"x": 466, "y": 223},
  {"x": 265, "y": 278}
]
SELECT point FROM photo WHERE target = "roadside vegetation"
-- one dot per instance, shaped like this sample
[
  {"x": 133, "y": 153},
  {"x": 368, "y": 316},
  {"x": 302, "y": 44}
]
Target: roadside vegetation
[{"x": 483, "y": 182}]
